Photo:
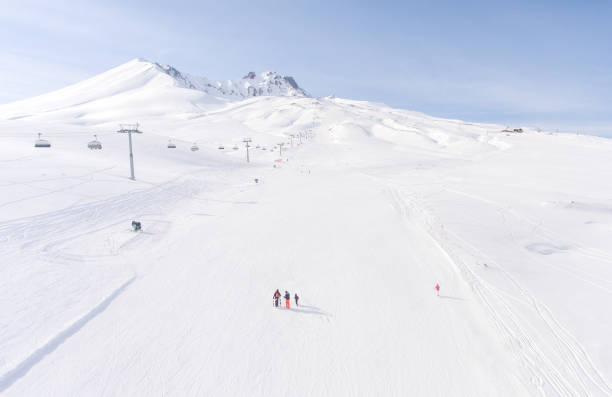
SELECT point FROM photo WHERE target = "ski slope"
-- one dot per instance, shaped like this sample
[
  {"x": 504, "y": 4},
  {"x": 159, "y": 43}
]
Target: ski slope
[{"x": 361, "y": 219}]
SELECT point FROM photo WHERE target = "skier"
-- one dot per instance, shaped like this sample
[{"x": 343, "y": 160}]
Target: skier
[
  {"x": 296, "y": 297},
  {"x": 437, "y": 289},
  {"x": 276, "y": 297},
  {"x": 287, "y": 300}
]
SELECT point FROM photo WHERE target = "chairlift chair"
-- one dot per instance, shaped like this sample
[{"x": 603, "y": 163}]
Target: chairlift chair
[
  {"x": 95, "y": 144},
  {"x": 221, "y": 147},
  {"x": 41, "y": 142},
  {"x": 171, "y": 144},
  {"x": 194, "y": 147},
  {"x": 235, "y": 148}
]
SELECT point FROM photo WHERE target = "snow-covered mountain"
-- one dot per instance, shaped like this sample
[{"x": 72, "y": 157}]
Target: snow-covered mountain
[
  {"x": 140, "y": 83},
  {"x": 263, "y": 84},
  {"x": 366, "y": 210}
]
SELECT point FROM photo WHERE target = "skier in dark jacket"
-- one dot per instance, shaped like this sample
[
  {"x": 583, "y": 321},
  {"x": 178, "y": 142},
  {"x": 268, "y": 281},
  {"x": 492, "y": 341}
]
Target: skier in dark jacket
[
  {"x": 287, "y": 300},
  {"x": 276, "y": 297},
  {"x": 296, "y": 297}
]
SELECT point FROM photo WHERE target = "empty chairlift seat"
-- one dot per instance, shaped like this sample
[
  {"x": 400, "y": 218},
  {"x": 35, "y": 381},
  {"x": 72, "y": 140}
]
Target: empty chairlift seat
[
  {"x": 194, "y": 147},
  {"x": 41, "y": 142},
  {"x": 171, "y": 145},
  {"x": 95, "y": 144}
]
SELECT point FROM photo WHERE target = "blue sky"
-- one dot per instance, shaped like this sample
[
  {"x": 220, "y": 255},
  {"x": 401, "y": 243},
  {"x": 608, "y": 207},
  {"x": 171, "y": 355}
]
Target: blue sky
[{"x": 539, "y": 63}]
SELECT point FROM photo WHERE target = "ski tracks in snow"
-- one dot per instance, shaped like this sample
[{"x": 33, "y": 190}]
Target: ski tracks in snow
[
  {"x": 11, "y": 376},
  {"x": 89, "y": 241},
  {"x": 574, "y": 374}
]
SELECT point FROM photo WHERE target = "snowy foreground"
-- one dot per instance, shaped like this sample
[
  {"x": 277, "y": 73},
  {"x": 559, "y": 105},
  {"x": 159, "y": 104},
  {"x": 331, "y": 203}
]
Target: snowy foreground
[{"x": 361, "y": 220}]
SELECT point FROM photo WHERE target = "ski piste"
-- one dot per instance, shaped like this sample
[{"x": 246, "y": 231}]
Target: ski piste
[{"x": 368, "y": 214}]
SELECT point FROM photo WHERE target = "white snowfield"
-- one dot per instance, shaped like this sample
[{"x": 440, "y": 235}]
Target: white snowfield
[{"x": 362, "y": 219}]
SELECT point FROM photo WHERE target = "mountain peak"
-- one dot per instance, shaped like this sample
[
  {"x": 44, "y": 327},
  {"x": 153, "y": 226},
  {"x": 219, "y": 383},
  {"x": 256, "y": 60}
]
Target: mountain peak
[
  {"x": 158, "y": 78},
  {"x": 270, "y": 84},
  {"x": 252, "y": 84}
]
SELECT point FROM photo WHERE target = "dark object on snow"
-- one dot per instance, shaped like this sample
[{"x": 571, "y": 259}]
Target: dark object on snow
[
  {"x": 256, "y": 180},
  {"x": 136, "y": 226},
  {"x": 296, "y": 297},
  {"x": 276, "y": 297}
]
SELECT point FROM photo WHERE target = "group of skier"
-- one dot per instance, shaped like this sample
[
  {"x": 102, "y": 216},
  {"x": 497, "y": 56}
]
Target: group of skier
[
  {"x": 277, "y": 295},
  {"x": 287, "y": 296}
]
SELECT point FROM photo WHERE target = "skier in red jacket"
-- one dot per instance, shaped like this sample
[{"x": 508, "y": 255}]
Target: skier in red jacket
[{"x": 287, "y": 300}]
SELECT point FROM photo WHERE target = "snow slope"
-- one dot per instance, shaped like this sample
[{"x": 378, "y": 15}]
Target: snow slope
[
  {"x": 127, "y": 88},
  {"x": 361, "y": 219}
]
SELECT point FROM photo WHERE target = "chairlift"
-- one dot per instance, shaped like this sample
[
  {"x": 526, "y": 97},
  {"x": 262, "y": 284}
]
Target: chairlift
[
  {"x": 221, "y": 147},
  {"x": 95, "y": 144},
  {"x": 171, "y": 144},
  {"x": 235, "y": 148},
  {"x": 194, "y": 147},
  {"x": 41, "y": 142}
]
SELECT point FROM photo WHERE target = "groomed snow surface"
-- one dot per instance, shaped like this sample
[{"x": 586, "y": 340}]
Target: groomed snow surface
[{"x": 361, "y": 219}]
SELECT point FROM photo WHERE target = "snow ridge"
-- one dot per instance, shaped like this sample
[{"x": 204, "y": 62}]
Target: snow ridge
[{"x": 251, "y": 85}]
